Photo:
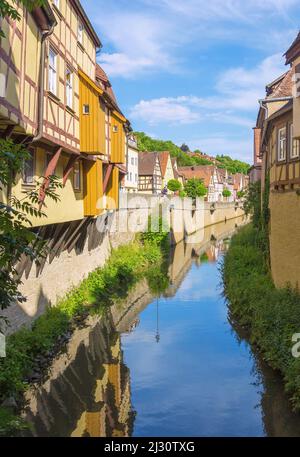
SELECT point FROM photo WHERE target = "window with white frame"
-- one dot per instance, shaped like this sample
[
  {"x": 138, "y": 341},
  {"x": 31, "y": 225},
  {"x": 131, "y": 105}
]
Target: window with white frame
[
  {"x": 52, "y": 71},
  {"x": 294, "y": 144},
  {"x": 80, "y": 32},
  {"x": 69, "y": 88},
  {"x": 281, "y": 144}
]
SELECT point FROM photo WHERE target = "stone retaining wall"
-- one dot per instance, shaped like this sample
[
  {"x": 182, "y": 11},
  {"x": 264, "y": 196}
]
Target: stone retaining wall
[{"x": 70, "y": 268}]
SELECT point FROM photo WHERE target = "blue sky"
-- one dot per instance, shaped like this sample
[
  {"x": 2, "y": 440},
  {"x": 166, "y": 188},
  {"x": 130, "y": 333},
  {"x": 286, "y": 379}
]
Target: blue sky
[{"x": 193, "y": 70}]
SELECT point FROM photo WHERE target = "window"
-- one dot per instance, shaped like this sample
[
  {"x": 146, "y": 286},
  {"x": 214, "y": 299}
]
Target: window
[
  {"x": 136, "y": 161},
  {"x": 69, "y": 88},
  {"x": 77, "y": 177},
  {"x": 281, "y": 144},
  {"x": 132, "y": 161},
  {"x": 130, "y": 177},
  {"x": 48, "y": 157},
  {"x": 294, "y": 144},
  {"x": 115, "y": 128},
  {"x": 29, "y": 169},
  {"x": 52, "y": 71},
  {"x": 86, "y": 109},
  {"x": 136, "y": 177},
  {"x": 80, "y": 32}
]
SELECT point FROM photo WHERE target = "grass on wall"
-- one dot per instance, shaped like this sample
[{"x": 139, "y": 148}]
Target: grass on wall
[
  {"x": 271, "y": 315},
  {"x": 144, "y": 258}
]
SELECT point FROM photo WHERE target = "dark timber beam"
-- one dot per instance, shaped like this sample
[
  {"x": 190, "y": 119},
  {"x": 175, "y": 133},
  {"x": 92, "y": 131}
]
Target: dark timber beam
[
  {"x": 49, "y": 172},
  {"x": 70, "y": 165},
  {"x": 107, "y": 176},
  {"x": 8, "y": 132}
]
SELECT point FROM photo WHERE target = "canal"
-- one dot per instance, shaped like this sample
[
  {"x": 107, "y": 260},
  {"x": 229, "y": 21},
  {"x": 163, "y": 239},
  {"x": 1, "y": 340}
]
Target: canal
[{"x": 165, "y": 366}]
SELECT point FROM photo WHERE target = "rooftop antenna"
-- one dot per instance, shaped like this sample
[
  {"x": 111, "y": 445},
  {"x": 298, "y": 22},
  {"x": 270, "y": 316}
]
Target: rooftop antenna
[{"x": 157, "y": 336}]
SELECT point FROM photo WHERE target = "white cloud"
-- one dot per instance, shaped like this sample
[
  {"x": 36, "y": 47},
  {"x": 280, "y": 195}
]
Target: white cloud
[
  {"x": 120, "y": 64},
  {"x": 152, "y": 35},
  {"x": 170, "y": 110},
  {"x": 230, "y": 10},
  {"x": 140, "y": 40},
  {"x": 237, "y": 92}
]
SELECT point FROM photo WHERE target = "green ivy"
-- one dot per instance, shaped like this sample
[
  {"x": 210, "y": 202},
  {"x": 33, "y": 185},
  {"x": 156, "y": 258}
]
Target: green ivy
[{"x": 271, "y": 315}]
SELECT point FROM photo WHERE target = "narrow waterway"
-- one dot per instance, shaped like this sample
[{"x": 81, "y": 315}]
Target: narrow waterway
[{"x": 165, "y": 366}]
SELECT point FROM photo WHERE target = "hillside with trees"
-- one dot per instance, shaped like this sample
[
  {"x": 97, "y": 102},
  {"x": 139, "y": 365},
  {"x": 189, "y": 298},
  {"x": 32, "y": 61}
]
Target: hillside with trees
[
  {"x": 146, "y": 143},
  {"x": 184, "y": 157},
  {"x": 231, "y": 165}
]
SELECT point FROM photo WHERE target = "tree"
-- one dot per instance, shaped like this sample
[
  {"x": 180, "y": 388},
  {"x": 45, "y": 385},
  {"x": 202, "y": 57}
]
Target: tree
[
  {"x": 240, "y": 194},
  {"x": 226, "y": 193},
  {"x": 195, "y": 188},
  {"x": 16, "y": 238},
  {"x": 184, "y": 147},
  {"x": 231, "y": 165},
  {"x": 7, "y": 10},
  {"x": 174, "y": 185},
  {"x": 146, "y": 143}
]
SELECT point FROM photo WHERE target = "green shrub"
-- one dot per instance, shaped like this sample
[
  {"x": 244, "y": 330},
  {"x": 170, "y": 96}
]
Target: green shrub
[
  {"x": 174, "y": 185},
  {"x": 272, "y": 315},
  {"x": 144, "y": 258}
]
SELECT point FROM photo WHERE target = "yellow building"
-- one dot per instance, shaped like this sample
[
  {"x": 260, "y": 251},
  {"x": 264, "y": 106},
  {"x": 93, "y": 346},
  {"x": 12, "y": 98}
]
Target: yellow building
[
  {"x": 278, "y": 126},
  {"x": 60, "y": 104}
]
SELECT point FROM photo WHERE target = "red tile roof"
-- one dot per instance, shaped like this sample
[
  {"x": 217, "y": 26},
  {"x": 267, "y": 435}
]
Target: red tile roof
[
  {"x": 102, "y": 76},
  {"x": 203, "y": 172},
  {"x": 281, "y": 87},
  {"x": 147, "y": 162},
  {"x": 163, "y": 159}
]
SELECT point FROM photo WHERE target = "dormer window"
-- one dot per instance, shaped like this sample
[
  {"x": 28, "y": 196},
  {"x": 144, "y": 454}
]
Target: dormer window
[{"x": 115, "y": 129}]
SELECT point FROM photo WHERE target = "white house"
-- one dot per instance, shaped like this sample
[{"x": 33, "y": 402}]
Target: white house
[{"x": 132, "y": 159}]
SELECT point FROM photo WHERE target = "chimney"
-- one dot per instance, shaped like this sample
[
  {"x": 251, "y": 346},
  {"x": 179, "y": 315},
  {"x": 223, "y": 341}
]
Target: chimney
[{"x": 257, "y": 141}]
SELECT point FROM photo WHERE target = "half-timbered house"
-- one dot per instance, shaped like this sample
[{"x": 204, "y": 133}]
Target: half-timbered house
[
  {"x": 166, "y": 168},
  {"x": 279, "y": 125},
  {"x": 56, "y": 100},
  {"x": 150, "y": 175}
]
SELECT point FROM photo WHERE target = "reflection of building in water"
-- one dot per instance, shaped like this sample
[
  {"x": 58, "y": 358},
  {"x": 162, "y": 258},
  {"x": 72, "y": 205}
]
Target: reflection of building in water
[
  {"x": 88, "y": 393},
  {"x": 211, "y": 245},
  {"x": 113, "y": 414},
  {"x": 216, "y": 250}
]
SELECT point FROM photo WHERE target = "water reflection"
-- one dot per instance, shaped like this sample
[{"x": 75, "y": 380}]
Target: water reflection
[
  {"x": 166, "y": 362},
  {"x": 278, "y": 418},
  {"x": 88, "y": 393}
]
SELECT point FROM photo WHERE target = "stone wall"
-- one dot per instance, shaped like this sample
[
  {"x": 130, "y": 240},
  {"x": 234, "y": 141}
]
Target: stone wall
[
  {"x": 44, "y": 287},
  {"x": 285, "y": 238}
]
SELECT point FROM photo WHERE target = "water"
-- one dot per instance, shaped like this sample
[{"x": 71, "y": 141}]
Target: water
[{"x": 169, "y": 366}]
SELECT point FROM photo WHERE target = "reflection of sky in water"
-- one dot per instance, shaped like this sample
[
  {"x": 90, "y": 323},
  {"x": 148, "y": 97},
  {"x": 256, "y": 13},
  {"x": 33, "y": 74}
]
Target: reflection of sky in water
[{"x": 197, "y": 381}]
